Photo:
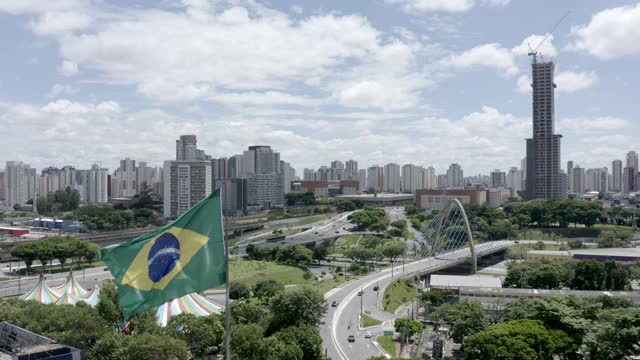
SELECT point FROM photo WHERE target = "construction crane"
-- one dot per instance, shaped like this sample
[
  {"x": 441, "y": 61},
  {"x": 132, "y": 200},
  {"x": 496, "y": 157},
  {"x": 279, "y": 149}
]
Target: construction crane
[{"x": 534, "y": 52}]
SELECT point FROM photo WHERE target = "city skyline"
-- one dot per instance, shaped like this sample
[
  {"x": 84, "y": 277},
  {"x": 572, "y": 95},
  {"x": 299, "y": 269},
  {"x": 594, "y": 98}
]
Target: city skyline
[{"x": 409, "y": 83}]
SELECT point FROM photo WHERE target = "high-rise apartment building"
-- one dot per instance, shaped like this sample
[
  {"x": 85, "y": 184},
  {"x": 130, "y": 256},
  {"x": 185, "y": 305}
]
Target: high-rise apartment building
[
  {"x": 144, "y": 175},
  {"x": 309, "y": 175},
  {"x": 412, "y": 178},
  {"x": 266, "y": 179},
  {"x": 126, "y": 174},
  {"x": 3, "y": 195},
  {"x": 362, "y": 180},
  {"x": 187, "y": 149},
  {"x": 234, "y": 196},
  {"x": 235, "y": 166},
  {"x": 185, "y": 184},
  {"x": 455, "y": 176},
  {"x": 53, "y": 179},
  {"x": 288, "y": 175},
  {"x": 514, "y": 179},
  {"x": 351, "y": 170},
  {"x": 543, "y": 149},
  {"x": 19, "y": 183},
  {"x": 616, "y": 176},
  {"x": 570, "y": 175},
  {"x": 96, "y": 185},
  {"x": 498, "y": 178},
  {"x": 430, "y": 180},
  {"x": 375, "y": 178},
  {"x": 579, "y": 180},
  {"x": 630, "y": 173},
  {"x": 391, "y": 178}
]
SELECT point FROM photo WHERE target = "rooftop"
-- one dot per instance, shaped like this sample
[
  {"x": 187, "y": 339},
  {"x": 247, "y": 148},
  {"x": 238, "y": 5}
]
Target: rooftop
[{"x": 456, "y": 281}]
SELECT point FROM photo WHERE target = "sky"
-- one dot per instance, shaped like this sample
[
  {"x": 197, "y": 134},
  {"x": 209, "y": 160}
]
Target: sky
[{"x": 428, "y": 82}]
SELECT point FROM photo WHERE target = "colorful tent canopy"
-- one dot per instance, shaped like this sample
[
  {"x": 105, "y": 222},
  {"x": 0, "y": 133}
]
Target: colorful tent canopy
[
  {"x": 71, "y": 287},
  {"x": 189, "y": 304},
  {"x": 42, "y": 293},
  {"x": 92, "y": 297},
  {"x": 67, "y": 299}
]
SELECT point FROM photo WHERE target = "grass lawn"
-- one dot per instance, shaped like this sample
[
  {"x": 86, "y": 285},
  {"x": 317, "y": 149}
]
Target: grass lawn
[
  {"x": 369, "y": 321},
  {"x": 3, "y": 278},
  {"x": 387, "y": 343},
  {"x": 613, "y": 227},
  {"x": 523, "y": 248},
  {"x": 251, "y": 272},
  {"x": 398, "y": 293},
  {"x": 350, "y": 240},
  {"x": 312, "y": 219},
  {"x": 408, "y": 235}
]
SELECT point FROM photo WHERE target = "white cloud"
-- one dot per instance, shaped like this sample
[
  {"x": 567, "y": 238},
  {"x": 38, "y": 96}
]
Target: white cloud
[
  {"x": 68, "y": 68},
  {"x": 532, "y": 42},
  {"x": 411, "y": 6},
  {"x": 599, "y": 124},
  {"x": 453, "y": 6},
  {"x": 59, "y": 89},
  {"x": 487, "y": 55},
  {"x": 611, "y": 33},
  {"x": 523, "y": 84},
  {"x": 239, "y": 54},
  {"x": 569, "y": 81}
]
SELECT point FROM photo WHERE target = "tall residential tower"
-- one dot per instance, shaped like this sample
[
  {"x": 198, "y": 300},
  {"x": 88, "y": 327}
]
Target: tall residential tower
[{"x": 544, "y": 179}]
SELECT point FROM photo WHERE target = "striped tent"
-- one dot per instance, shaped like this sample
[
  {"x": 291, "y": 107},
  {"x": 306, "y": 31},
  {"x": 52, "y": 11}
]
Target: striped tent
[
  {"x": 71, "y": 287},
  {"x": 67, "y": 299},
  {"x": 193, "y": 303},
  {"x": 92, "y": 297},
  {"x": 42, "y": 293}
]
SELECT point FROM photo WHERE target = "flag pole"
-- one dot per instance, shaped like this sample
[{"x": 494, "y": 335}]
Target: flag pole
[{"x": 227, "y": 311}]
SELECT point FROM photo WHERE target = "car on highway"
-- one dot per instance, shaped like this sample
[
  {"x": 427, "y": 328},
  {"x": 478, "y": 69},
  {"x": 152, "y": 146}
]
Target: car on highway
[
  {"x": 375, "y": 288},
  {"x": 334, "y": 303},
  {"x": 351, "y": 338},
  {"x": 337, "y": 232},
  {"x": 368, "y": 335}
]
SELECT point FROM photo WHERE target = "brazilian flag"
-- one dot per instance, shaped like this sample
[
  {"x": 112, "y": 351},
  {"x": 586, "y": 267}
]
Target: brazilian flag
[{"x": 183, "y": 257}]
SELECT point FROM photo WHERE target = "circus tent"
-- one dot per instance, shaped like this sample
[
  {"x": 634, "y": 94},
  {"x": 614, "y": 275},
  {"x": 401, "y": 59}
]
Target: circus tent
[
  {"x": 42, "y": 293},
  {"x": 194, "y": 303},
  {"x": 71, "y": 287}
]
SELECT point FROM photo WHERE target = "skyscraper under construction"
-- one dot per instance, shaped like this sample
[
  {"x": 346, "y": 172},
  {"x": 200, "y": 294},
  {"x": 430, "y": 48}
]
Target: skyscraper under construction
[{"x": 544, "y": 178}]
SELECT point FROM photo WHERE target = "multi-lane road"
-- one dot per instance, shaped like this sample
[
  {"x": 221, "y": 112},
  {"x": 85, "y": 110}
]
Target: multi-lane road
[{"x": 342, "y": 320}]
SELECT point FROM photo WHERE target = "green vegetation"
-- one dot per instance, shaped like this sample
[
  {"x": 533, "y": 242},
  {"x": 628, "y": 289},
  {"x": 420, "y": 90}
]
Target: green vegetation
[
  {"x": 544, "y": 328},
  {"x": 576, "y": 275},
  {"x": 103, "y": 217},
  {"x": 293, "y": 198},
  {"x": 518, "y": 339},
  {"x": 62, "y": 248},
  {"x": 285, "y": 327},
  {"x": 614, "y": 238},
  {"x": 387, "y": 343},
  {"x": 3, "y": 278},
  {"x": 251, "y": 272},
  {"x": 371, "y": 219},
  {"x": 398, "y": 293},
  {"x": 407, "y": 328},
  {"x": 311, "y": 219},
  {"x": 59, "y": 201},
  {"x": 290, "y": 255},
  {"x": 348, "y": 205},
  {"x": 550, "y": 213},
  {"x": 369, "y": 321}
]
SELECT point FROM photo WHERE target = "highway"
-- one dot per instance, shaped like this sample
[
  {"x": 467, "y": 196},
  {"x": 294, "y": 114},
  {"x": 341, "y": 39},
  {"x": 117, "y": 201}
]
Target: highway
[{"x": 342, "y": 320}]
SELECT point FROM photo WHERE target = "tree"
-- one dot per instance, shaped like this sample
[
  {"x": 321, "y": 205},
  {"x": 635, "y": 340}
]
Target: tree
[
  {"x": 538, "y": 245},
  {"x": 246, "y": 341},
  {"x": 266, "y": 289},
  {"x": 248, "y": 313},
  {"x": 26, "y": 252},
  {"x": 410, "y": 210},
  {"x": 320, "y": 252},
  {"x": 62, "y": 248},
  {"x": 345, "y": 205},
  {"x": 393, "y": 249},
  {"x": 144, "y": 197},
  {"x": 272, "y": 348},
  {"x": 305, "y": 337},
  {"x": 466, "y": 318},
  {"x": 44, "y": 252},
  {"x": 153, "y": 347},
  {"x": 199, "y": 333},
  {"x": 108, "y": 306},
  {"x": 296, "y": 306},
  {"x": 575, "y": 244},
  {"x": 110, "y": 347},
  {"x": 519, "y": 339},
  {"x": 407, "y": 327},
  {"x": 239, "y": 290}
]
